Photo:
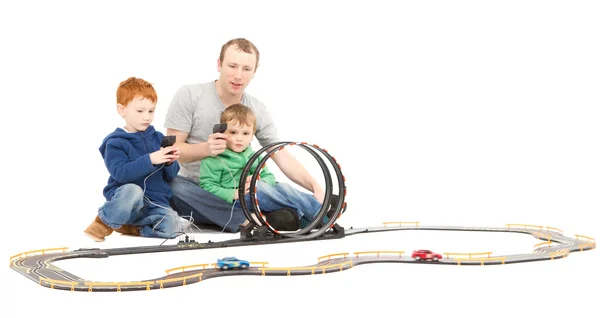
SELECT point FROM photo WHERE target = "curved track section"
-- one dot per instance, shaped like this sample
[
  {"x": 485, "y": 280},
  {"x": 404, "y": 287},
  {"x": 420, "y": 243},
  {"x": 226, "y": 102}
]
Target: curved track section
[{"x": 39, "y": 267}]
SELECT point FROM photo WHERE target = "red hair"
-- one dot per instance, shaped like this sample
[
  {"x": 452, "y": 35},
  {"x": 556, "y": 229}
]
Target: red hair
[{"x": 133, "y": 87}]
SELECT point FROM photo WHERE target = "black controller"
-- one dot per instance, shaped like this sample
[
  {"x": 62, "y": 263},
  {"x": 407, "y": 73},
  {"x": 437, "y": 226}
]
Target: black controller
[
  {"x": 167, "y": 141},
  {"x": 220, "y": 128}
]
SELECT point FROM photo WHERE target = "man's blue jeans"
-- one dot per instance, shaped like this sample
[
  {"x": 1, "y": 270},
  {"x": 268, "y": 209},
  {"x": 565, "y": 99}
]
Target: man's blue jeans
[
  {"x": 129, "y": 206},
  {"x": 204, "y": 207},
  {"x": 189, "y": 199},
  {"x": 283, "y": 195}
]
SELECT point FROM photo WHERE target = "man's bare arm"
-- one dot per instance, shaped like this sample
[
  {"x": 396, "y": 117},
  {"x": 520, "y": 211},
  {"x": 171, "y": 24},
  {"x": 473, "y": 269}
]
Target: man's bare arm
[
  {"x": 296, "y": 172},
  {"x": 199, "y": 151}
]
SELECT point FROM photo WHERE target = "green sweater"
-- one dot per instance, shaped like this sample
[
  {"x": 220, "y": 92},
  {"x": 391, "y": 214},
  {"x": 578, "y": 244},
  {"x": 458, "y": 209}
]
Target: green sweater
[{"x": 216, "y": 179}]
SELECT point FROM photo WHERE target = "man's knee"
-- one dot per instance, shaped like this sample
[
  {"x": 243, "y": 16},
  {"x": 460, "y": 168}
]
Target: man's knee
[
  {"x": 265, "y": 188},
  {"x": 177, "y": 185},
  {"x": 182, "y": 192},
  {"x": 185, "y": 189},
  {"x": 284, "y": 187}
]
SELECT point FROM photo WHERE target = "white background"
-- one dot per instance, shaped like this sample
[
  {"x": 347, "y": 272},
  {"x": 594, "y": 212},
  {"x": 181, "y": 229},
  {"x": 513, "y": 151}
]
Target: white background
[{"x": 445, "y": 112}]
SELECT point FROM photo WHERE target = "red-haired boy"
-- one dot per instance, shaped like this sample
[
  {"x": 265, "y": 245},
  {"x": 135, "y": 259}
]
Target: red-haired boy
[{"x": 137, "y": 194}]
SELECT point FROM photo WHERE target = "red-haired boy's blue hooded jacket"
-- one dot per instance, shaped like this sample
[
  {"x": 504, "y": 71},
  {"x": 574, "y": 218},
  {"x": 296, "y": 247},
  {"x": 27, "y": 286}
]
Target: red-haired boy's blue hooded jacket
[{"x": 127, "y": 158}]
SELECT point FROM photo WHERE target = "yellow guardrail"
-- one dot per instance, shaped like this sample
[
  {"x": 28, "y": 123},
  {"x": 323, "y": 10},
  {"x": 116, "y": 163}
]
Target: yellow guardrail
[
  {"x": 55, "y": 281},
  {"x": 591, "y": 242},
  {"x": 385, "y": 224},
  {"x": 525, "y": 226},
  {"x": 562, "y": 253},
  {"x": 184, "y": 279},
  {"x": 554, "y": 229},
  {"x": 323, "y": 268},
  {"x": 340, "y": 265},
  {"x": 543, "y": 243},
  {"x": 183, "y": 268},
  {"x": 259, "y": 263},
  {"x": 591, "y": 245},
  {"x": 380, "y": 252},
  {"x": 43, "y": 251},
  {"x": 482, "y": 259},
  {"x": 287, "y": 269},
  {"x": 469, "y": 254},
  {"x": 119, "y": 284},
  {"x": 539, "y": 236},
  {"x": 591, "y": 239},
  {"x": 333, "y": 255}
]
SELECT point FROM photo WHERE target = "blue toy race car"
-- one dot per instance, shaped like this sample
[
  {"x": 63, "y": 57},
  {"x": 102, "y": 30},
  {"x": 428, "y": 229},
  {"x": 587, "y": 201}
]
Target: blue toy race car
[{"x": 232, "y": 262}]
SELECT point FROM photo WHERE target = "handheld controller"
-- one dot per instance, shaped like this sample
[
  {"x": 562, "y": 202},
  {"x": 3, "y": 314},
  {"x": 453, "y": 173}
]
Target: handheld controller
[
  {"x": 167, "y": 141},
  {"x": 220, "y": 128}
]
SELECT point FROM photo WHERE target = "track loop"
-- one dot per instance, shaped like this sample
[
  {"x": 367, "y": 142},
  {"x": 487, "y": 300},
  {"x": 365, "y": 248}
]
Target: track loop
[{"x": 252, "y": 210}]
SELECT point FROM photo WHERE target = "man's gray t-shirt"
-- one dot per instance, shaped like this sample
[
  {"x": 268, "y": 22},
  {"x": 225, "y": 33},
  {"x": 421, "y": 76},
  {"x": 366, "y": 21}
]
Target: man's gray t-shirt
[{"x": 196, "y": 108}]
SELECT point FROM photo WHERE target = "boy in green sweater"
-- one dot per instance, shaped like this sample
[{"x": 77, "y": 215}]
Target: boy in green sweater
[{"x": 220, "y": 175}]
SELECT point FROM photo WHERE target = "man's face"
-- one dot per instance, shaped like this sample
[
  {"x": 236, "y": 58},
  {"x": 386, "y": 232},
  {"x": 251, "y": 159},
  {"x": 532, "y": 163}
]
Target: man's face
[
  {"x": 237, "y": 69},
  {"x": 138, "y": 114},
  {"x": 239, "y": 136}
]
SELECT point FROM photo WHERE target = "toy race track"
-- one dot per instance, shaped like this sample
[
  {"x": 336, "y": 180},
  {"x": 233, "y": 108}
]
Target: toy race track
[{"x": 37, "y": 265}]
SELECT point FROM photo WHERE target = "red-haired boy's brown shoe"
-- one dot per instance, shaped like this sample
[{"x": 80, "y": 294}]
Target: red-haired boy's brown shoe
[
  {"x": 98, "y": 230},
  {"x": 129, "y": 229}
]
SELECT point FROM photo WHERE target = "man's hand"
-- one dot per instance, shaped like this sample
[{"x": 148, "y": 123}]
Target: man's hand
[
  {"x": 217, "y": 143},
  {"x": 296, "y": 172},
  {"x": 162, "y": 155},
  {"x": 318, "y": 193}
]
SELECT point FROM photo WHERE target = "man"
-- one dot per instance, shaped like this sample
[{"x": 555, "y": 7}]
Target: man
[{"x": 193, "y": 112}]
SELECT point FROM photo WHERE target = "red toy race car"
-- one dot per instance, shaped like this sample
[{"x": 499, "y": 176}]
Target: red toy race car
[{"x": 423, "y": 255}]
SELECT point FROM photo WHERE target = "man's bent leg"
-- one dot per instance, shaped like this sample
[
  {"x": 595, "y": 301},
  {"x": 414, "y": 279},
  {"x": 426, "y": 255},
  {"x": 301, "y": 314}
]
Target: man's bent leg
[
  {"x": 204, "y": 207},
  {"x": 306, "y": 204},
  {"x": 280, "y": 213},
  {"x": 287, "y": 196}
]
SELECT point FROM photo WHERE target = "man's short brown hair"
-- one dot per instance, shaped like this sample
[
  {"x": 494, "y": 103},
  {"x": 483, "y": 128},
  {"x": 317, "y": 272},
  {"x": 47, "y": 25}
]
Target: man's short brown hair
[{"x": 243, "y": 45}]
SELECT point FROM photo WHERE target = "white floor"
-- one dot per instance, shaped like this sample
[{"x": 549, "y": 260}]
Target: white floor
[{"x": 462, "y": 112}]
